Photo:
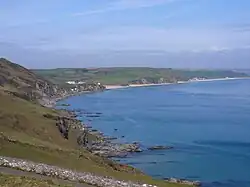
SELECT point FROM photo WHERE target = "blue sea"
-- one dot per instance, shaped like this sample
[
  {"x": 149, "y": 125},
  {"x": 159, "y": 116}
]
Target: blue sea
[{"x": 207, "y": 123}]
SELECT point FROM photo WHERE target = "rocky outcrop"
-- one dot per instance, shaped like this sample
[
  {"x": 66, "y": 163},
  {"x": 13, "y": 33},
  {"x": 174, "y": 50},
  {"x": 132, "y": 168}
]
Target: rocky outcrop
[
  {"x": 160, "y": 147},
  {"x": 111, "y": 149},
  {"x": 65, "y": 123},
  {"x": 82, "y": 138},
  {"x": 25, "y": 84},
  {"x": 63, "y": 127},
  {"x": 183, "y": 181},
  {"x": 92, "y": 139}
]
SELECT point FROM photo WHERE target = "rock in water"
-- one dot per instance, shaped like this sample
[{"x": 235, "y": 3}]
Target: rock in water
[
  {"x": 160, "y": 147},
  {"x": 183, "y": 181}
]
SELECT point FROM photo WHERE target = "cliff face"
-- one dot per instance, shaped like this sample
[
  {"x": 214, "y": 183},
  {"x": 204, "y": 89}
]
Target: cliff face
[{"x": 23, "y": 83}]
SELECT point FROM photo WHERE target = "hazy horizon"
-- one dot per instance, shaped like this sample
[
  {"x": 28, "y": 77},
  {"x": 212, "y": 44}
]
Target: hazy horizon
[
  {"x": 194, "y": 34},
  {"x": 107, "y": 67}
]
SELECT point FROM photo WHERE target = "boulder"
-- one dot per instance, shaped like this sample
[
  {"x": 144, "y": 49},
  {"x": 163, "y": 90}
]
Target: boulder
[{"x": 183, "y": 181}]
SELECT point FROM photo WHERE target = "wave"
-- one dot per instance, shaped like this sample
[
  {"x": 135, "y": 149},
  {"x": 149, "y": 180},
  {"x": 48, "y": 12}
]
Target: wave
[{"x": 130, "y": 120}]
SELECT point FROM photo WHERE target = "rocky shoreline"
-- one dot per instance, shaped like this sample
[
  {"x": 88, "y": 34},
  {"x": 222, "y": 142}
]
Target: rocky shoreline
[
  {"x": 183, "y": 181},
  {"x": 91, "y": 139},
  {"x": 103, "y": 145}
]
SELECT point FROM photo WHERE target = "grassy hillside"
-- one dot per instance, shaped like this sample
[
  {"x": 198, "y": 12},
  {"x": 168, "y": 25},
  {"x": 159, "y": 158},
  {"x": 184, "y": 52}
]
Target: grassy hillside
[
  {"x": 127, "y": 75},
  {"x": 27, "y": 132},
  {"x": 24, "y": 83},
  {"x": 14, "y": 181}
]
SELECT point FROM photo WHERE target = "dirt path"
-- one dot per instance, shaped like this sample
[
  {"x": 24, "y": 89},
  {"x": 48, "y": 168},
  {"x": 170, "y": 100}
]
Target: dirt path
[{"x": 14, "y": 172}]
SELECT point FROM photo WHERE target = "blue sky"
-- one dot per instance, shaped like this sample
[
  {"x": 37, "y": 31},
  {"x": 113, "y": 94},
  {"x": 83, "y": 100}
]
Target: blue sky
[{"x": 157, "y": 33}]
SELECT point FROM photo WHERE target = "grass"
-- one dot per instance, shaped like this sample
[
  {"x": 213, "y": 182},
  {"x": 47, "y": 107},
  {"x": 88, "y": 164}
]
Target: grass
[
  {"x": 22, "y": 181},
  {"x": 126, "y": 75},
  {"x": 27, "y": 134}
]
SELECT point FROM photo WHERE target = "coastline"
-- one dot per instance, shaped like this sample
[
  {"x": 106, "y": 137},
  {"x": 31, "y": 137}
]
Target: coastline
[
  {"x": 115, "y": 146},
  {"x": 115, "y": 87},
  {"x": 101, "y": 144},
  {"x": 51, "y": 102},
  {"x": 129, "y": 147},
  {"x": 105, "y": 146}
]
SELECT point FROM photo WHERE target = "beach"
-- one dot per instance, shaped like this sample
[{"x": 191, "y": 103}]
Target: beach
[{"x": 114, "y": 87}]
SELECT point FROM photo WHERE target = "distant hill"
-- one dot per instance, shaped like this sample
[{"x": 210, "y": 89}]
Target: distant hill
[
  {"x": 127, "y": 75},
  {"x": 246, "y": 71}
]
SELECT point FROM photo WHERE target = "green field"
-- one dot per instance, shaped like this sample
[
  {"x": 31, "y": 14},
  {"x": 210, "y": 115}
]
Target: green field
[
  {"x": 128, "y": 75},
  {"x": 23, "y": 181}
]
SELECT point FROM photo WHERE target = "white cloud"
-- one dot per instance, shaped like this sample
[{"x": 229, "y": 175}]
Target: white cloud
[
  {"x": 32, "y": 58},
  {"x": 127, "y": 4},
  {"x": 145, "y": 38},
  {"x": 124, "y": 5},
  {"x": 134, "y": 38}
]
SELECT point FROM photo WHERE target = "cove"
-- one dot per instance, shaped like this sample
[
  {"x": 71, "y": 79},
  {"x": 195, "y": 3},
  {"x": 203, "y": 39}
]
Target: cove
[{"x": 207, "y": 123}]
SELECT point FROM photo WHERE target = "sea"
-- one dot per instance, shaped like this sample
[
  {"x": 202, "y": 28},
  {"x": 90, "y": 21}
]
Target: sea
[{"x": 207, "y": 123}]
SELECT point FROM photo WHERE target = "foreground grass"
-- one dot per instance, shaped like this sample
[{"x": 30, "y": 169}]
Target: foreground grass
[
  {"x": 19, "y": 181},
  {"x": 27, "y": 134}
]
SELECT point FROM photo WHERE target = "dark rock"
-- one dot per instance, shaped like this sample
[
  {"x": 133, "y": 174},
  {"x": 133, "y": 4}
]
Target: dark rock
[
  {"x": 160, "y": 147},
  {"x": 110, "y": 138},
  {"x": 137, "y": 143},
  {"x": 64, "y": 104},
  {"x": 92, "y": 116},
  {"x": 50, "y": 116},
  {"x": 82, "y": 138},
  {"x": 87, "y": 127},
  {"x": 183, "y": 181},
  {"x": 63, "y": 127}
]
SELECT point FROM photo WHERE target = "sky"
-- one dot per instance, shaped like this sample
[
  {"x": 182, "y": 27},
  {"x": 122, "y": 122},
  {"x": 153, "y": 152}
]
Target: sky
[{"x": 155, "y": 33}]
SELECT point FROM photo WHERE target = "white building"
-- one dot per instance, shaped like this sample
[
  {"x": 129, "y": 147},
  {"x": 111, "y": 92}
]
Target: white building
[
  {"x": 75, "y": 82},
  {"x": 71, "y": 82}
]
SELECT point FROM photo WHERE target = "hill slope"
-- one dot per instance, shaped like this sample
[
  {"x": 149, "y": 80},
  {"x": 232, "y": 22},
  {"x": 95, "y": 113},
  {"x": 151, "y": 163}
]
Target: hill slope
[
  {"x": 23, "y": 82},
  {"x": 29, "y": 131},
  {"x": 128, "y": 75}
]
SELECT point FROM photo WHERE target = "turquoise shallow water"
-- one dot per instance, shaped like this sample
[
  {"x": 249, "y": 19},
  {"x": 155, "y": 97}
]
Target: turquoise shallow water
[{"x": 208, "y": 123}]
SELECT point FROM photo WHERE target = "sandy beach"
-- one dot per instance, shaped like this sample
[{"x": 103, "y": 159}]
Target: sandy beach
[{"x": 114, "y": 87}]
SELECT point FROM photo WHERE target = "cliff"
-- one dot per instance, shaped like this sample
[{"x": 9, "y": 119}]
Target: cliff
[{"x": 25, "y": 84}]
